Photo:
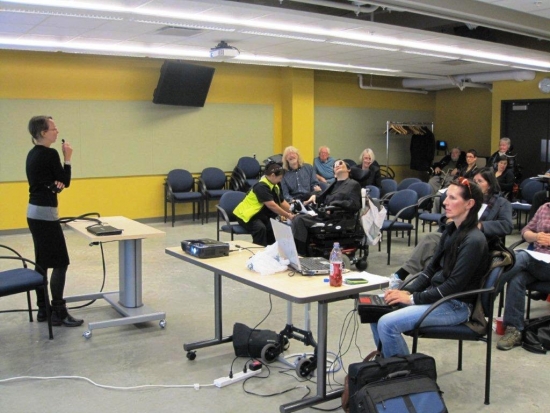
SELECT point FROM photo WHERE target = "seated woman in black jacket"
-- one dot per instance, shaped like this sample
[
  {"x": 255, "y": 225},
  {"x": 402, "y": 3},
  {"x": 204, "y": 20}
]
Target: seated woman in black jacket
[
  {"x": 459, "y": 264},
  {"x": 505, "y": 176},
  {"x": 368, "y": 172}
]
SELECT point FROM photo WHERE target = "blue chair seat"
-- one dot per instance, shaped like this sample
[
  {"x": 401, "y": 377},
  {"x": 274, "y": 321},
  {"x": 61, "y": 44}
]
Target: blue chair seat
[
  {"x": 20, "y": 280},
  {"x": 235, "y": 229},
  {"x": 397, "y": 226},
  {"x": 216, "y": 193},
  {"x": 188, "y": 196},
  {"x": 459, "y": 332}
]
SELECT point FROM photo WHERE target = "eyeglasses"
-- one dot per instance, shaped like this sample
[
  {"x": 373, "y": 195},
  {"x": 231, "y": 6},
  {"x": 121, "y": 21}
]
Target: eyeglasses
[{"x": 464, "y": 182}]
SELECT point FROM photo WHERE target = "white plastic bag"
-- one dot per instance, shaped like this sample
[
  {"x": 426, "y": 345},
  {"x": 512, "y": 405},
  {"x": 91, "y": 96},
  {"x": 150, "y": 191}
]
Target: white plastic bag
[
  {"x": 372, "y": 219},
  {"x": 267, "y": 262}
]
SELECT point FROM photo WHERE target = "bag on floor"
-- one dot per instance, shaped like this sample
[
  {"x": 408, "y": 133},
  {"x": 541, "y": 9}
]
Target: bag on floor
[
  {"x": 395, "y": 384},
  {"x": 536, "y": 335}
]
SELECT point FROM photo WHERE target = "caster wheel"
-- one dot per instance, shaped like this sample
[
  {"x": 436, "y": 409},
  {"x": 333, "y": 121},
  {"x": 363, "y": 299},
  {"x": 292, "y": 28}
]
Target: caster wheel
[
  {"x": 269, "y": 353},
  {"x": 286, "y": 343},
  {"x": 346, "y": 262},
  {"x": 191, "y": 355},
  {"x": 361, "y": 265},
  {"x": 162, "y": 323},
  {"x": 305, "y": 368},
  {"x": 87, "y": 334}
]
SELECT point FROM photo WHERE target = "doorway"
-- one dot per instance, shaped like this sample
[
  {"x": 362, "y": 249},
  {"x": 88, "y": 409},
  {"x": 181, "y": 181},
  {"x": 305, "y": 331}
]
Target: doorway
[{"x": 527, "y": 124}]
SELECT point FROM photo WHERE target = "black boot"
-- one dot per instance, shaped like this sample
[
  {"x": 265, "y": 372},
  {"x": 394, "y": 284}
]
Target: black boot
[
  {"x": 60, "y": 315},
  {"x": 41, "y": 315}
]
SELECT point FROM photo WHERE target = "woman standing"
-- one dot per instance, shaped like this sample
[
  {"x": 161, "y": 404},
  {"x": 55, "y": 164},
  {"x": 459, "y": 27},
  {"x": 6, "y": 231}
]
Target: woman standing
[
  {"x": 47, "y": 177},
  {"x": 460, "y": 261}
]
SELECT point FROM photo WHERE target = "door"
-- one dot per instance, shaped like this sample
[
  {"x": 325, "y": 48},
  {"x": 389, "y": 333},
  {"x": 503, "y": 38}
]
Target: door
[{"x": 527, "y": 124}]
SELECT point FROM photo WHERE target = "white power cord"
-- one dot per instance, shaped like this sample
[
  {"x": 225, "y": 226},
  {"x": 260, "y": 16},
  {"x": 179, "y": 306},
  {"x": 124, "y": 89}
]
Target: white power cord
[{"x": 195, "y": 386}]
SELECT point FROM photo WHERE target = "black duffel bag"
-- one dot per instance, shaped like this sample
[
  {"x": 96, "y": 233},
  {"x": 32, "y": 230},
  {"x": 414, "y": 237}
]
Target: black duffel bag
[
  {"x": 395, "y": 384},
  {"x": 536, "y": 335}
]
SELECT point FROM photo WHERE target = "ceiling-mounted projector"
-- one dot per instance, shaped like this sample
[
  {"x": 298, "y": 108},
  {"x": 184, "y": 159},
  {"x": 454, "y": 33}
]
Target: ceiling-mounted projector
[{"x": 224, "y": 51}]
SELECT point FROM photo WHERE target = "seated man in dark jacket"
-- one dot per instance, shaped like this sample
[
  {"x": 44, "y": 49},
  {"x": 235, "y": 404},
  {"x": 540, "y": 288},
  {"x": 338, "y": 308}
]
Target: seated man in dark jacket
[
  {"x": 447, "y": 169},
  {"x": 344, "y": 193}
]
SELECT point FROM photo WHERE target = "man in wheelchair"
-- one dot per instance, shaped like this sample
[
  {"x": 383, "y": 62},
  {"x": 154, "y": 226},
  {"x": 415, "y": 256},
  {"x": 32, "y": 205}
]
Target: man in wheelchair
[{"x": 336, "y": 208}]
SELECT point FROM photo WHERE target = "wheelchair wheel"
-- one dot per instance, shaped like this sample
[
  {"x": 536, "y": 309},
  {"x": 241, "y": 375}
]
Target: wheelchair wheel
[
  {"x": 346, "y": 261},
  {"x": 361, "y": 264}
]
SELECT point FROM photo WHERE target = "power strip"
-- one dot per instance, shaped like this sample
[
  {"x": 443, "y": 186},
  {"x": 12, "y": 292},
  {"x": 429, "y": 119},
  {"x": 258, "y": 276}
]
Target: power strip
[{"x": 226, "y": 381}]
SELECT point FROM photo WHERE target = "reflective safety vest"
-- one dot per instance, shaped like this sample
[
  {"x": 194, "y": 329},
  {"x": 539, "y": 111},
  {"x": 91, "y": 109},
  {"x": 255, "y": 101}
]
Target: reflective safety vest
[{"x": 250, "y": 205}]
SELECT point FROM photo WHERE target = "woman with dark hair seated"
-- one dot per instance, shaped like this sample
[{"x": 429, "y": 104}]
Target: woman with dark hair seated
[
  {"x": 504, "y": 175},
  {"x": 495, "y": 221},
  {"x": 460, "y": 262}
]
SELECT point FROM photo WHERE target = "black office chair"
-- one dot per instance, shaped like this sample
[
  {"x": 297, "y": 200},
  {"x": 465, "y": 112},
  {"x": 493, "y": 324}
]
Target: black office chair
[
  {"x": 212, "y": 185},
  {"x": 179, "y": 188},
  {"x": 24, "y": 280},
  {"x": 528, "y": 189},
  {"x": 483, "y": 311},
  {"x": 228, "y": 202}
]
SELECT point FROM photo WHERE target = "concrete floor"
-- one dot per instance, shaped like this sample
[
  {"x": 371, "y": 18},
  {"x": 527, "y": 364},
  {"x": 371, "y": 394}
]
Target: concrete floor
[{"x": 145, "y": 354}]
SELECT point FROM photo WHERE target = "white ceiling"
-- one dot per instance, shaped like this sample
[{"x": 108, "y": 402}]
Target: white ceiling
[{"x": 131, "y": 28}]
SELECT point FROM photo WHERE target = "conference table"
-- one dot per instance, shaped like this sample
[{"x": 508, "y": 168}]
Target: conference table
[
  {"x": 128, "y": 300},
  {"x": 297, "y": 289}
]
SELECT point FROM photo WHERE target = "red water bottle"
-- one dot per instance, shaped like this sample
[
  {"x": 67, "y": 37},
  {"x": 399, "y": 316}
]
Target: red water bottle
[{"x": 336, "y": 266}]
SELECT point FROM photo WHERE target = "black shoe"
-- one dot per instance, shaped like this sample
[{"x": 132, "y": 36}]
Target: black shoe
[
  {"x": 538, "y": 296},
  {"x": 41, "y": 315},
  {"x": 67, "y": 321}
]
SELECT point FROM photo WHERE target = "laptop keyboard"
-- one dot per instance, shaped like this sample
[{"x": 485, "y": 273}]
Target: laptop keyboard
[{"x": 313, "y": 264}]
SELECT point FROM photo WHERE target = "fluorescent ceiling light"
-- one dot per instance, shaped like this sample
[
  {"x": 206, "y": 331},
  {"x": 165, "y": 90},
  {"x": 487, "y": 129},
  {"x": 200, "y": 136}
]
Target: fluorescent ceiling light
[
  {"x": 363, "y": 45},
  {"x": 484, "y": 62},
  {"x": 311, "y": 32},
  {"x": 63, "y": 14},
  {"x": 189, "y": 26},
  {"x": 283, "y": 35},
  {"x": 429, "y": 54}
]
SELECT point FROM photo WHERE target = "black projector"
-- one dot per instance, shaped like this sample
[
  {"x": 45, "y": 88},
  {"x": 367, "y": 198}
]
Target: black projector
[{"x": 205, "y": 248}]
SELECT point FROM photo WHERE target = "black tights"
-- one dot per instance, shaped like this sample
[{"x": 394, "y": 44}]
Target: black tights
[{"x": 57, "y": 285}]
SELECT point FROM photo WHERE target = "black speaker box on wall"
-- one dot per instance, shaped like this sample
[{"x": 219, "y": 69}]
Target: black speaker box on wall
[{"x": 183, "y": 84}]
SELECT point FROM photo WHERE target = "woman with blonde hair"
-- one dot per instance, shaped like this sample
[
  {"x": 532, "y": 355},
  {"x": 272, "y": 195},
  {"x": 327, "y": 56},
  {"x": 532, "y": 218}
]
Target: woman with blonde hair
[{"x": 368, "y": 170}]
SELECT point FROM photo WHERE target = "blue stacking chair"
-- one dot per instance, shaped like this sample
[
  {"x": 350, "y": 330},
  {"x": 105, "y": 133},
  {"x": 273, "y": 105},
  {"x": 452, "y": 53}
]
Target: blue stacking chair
[
  {"x": 212, "y": 185},
  {"x": 527, "y": 191},
  {"x": 402, "y": 205},
  {"x": 405, "y": 183},
  {"x": 228, "y": 202},
  {"x": 179, "y": 188}
]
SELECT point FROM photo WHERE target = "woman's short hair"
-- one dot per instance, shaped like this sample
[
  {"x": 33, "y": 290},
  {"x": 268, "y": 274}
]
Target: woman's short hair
[
  {"x": 37, "y": 125},
  {"x": 369, "y": 152},
  {"x": 473, "y": 152},
  {"x": 502, "y": 158},
  {"x": 292, "y": 149},
  {"x": 489, "y": 175}
]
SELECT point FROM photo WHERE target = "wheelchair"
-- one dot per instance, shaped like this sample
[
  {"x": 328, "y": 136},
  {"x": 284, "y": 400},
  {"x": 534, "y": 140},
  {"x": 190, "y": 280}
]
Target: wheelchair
[{"x": 342, "y": 227}]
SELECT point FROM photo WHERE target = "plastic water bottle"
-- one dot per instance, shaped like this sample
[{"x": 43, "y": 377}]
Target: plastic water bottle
[{"x": 336, "y": 266}]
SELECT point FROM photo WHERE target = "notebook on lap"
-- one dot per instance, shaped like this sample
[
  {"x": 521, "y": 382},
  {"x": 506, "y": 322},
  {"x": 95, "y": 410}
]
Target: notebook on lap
[{"x": 287, "y": 249}]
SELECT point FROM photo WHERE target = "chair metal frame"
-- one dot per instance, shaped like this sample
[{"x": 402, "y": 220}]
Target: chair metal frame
[
  {"x": 462, "y": 332},
  {"x": 170, "y": 196},
  {"x": 231, "y": 225},
  {"x": 37, "y": 280}
]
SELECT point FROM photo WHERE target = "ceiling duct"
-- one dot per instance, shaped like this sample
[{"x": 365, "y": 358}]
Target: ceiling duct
[
  {"x": 386, "y": 89},
  {"x": 466, "y": 80}
]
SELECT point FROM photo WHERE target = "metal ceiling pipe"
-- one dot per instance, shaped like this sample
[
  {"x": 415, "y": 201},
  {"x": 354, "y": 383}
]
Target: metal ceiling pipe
[
  {"x": 325, "y": 3},
  {"x": 517, "y": 75},
  {"x": 388, "y": 89}
]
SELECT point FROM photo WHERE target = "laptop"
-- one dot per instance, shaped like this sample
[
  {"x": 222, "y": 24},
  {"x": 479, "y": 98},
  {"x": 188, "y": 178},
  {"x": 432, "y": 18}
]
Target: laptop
[
  {"x": 103, "y": 230},
  {"x": 287, "y": 250}
]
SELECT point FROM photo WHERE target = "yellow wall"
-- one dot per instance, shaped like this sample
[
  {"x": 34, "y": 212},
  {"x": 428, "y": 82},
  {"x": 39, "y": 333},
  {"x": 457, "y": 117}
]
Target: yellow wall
[
  {"x": 462, "y": 118},
  {"x": 30, "y": 75}
]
